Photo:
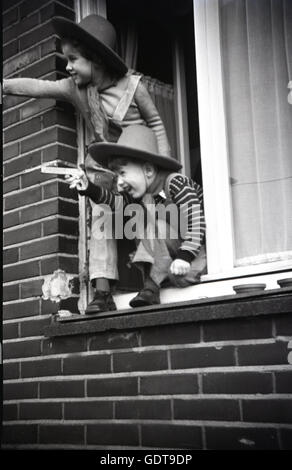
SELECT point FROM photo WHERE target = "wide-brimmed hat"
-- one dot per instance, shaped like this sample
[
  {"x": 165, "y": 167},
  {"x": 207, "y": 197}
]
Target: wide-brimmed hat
[
  {"x": 136, "y": 142},
  {"x": 96, "y": 33}
]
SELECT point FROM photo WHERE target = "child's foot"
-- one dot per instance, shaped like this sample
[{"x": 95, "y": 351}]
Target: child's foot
[
  {"x": 146, "y": 297},
  {"x": 102, "y": 302}
]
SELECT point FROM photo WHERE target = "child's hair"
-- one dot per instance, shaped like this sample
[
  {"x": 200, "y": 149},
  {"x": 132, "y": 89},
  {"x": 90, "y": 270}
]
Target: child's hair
[
  {"x": 115, "y": 163},
  {"x": 90, "y": 54}
]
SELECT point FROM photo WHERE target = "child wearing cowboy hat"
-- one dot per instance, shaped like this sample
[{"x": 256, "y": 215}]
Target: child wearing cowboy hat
[
  {"x": 145, "y": 177},
  {"x": 109, "y": 98}
]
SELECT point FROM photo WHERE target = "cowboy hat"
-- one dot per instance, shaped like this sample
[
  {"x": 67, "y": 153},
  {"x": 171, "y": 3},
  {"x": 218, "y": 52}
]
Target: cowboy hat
[
  {"x": 95, "y": 32},
  {"x": 136, "y": 142}
]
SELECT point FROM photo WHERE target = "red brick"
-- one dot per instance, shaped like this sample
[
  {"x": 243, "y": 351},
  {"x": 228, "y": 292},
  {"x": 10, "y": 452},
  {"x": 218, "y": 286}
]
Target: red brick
[
  {"x": 87, "y": 365},
  {"x": 26, "y": 348},
  {"x": 11, "y": 117},
  {"x": 207, "y": 409},
  {"x": 58, "y": 151},
  {"x": 237, "y": 382},
  {"x": 30, "y": 411},
  {"x": 266, "y": 354},
  {"x": 61, "y": 226},
  {"x": 153, "y": 360},
  {"x": 113, "y": 434},
  {"x": 10, "y": 330},
  {"x": 18, "y": 390},
  {"x": 21, "y": 309},
  {"x": 88, "y": 410},
  {"x": 62, "y": 389},
  {"x": 10, "y": 256},
  {"x": 22, "y": 234},
  {"x": 143, "y": 409},
  {"x": 50, "y": 265},
  {"x": 21, "y": 271},
  {"x": 283, "y": 382},
  {"x": 43, "y": 67},
  {"x": 202, "y": 357},
  {"x": 16, "y": 65},
  {"x": 9, "y": 50},
  {"x": 11, "y": 370},
  {"x": 12, "y": 184},
  {"x": 29, "y": 6},
  {"x": 23, "y": 198},
  {"x": 61, "y": 434},
  {"x": 122, "y": 386},
  {"x": 55, "y": 9},
  {"x": 236, "y": 438},
  {"x": 36, "y": 106},
  {"x": 56, "y": 116},
  {"x": 11, "y": 292},
  {"x": 10, "y": 17},
  {"x": 267, "y": 411},
  {"x": 53, "y": 44},
  {"x": 61, "y": 189},
  {"x": 36, "y": 35},
  {"x": 283, "y": 324},
  {"x": 171, "y": 436},
  {"x": 35, "y": 177},
  {"x": 169, "y": 384},
  {"x": 31, "y": 288},
  {"x": 48, "y": 246},
  {"x": 238, "y": 328},
  {"x": 37, "y": 211},
  {"x": 59, "y": 345},
  {"x": 41, "y": 368},
  {"x": 34, "y": 327},
  {"x": 23, "y": 129},
  {"x": 23, "y": 163},
  {"x": 20, "y": 434},
  {"x": 9, "y": 412},
  {"x": 7, "y": 4},
  {"x": 10, "y": 151},
  {"x": 11, "y": 219},
  {"x": 10, "y": 101}
]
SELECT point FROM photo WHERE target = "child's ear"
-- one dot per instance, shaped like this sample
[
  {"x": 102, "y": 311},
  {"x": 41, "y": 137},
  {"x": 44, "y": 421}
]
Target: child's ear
[{"x": 150, "y": 169}]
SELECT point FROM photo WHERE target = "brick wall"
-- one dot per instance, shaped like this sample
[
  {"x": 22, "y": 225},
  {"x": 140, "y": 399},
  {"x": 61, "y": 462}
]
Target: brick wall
[
  {"x": 214, "y": 384},
  {"x": 40, "y": 212}
]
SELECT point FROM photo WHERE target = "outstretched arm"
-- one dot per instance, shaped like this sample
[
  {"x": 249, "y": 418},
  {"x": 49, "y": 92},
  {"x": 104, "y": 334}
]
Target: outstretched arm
[
  {"x": 150, "y": 113},
  {"x": 59, "y": 89}
]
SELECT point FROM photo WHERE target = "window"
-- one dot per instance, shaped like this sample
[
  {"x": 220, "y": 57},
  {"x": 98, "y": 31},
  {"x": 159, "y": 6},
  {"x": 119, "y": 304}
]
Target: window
[{"x": 206, "y": 52}]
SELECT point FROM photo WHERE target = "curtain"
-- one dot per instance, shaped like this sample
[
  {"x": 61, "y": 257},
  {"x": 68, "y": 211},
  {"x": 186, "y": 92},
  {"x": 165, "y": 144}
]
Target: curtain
[
  {"x": 161, "y": 93},
  {"x": 256, "y": 39}
]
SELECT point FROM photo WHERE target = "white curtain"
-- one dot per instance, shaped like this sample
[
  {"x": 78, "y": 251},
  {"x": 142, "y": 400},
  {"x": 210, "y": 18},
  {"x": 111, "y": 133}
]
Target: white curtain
[{"x": 256, "y": 40}]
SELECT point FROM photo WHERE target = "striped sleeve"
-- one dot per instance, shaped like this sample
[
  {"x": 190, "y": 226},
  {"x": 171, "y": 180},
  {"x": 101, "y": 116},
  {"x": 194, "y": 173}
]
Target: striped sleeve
[
  {"x": 100, "y": 195},
  {"x": 188, "y": 196}
]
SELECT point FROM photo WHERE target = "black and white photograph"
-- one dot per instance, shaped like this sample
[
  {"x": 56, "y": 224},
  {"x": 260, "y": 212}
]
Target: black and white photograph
[{"x": 147, "y": 228}]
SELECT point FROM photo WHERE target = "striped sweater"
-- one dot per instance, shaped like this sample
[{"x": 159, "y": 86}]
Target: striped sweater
[{"x": 182, "y": 191}]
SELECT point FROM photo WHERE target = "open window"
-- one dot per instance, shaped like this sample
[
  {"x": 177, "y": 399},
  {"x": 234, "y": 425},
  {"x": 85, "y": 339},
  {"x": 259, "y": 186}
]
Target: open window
[{"x": 218, "y": 73}]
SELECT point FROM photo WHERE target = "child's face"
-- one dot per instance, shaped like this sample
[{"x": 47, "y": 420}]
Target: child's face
[
  {"x": 78, "y": 66},
  {"x": 132, "y": 179}
]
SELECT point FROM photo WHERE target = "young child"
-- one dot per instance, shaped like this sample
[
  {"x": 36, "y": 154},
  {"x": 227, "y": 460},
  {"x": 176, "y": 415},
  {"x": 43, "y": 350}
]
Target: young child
[
  {"x": 164, "y": 251},
  {"x": 109, "y": 98}
]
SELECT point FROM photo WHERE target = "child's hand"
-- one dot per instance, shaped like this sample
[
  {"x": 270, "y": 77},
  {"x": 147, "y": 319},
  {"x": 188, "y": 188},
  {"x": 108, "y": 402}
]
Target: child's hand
[
  {"x": 80, "y": 182},
  {"x": 179, "y": 267}
]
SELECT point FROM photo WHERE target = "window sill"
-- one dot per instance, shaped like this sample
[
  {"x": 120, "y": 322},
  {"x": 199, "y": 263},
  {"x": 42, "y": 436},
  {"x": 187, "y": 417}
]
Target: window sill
[{"x": 275, "y": 301}]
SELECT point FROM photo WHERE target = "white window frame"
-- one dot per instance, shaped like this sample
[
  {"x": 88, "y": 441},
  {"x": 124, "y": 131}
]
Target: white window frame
[{"x": 214, "y": 150}]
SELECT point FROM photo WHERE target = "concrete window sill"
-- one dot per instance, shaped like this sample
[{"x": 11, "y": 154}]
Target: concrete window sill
[{"x": 267, "y": 302}]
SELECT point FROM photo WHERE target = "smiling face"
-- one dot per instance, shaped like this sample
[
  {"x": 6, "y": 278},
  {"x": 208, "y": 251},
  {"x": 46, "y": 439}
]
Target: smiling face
[{"x": 78, "y": 66}]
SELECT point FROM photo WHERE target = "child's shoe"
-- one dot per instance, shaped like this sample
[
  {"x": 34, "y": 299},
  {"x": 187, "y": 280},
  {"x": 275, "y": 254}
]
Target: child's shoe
[
  {"x": 102, "y": 302},
  {"x": 149, "y": 295}
]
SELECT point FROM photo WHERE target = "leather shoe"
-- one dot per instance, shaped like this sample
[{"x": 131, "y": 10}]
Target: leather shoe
[
  {"x": 102, "y": 302},
  {"x": 145, "y": 297}
]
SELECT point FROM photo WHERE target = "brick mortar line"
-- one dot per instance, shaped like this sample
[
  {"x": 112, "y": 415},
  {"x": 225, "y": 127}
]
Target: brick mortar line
[
  {"x": 40, "y": 203},
  {"x": 39, "y": 149},
  {"x": 29, "y": 242},
  {"x": 19, "y": 106},
  {"x": 185, "y": 397},
  {"x": 41, "y": 258},
  {"x": 27, "y": 50},
  {"x": 24, "y": 319},
  {"x": 35, "y": 134},
  {"x": 142, "y": 373},
  {"x": 168, "y": 422},
  {"x": 143, "y": 349},
  {"x": 37, "y": 185},
  {"x": 30, "y": 14},
  {"x": 30, "y": 118},
  {"x": 35, "y": 222}
]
